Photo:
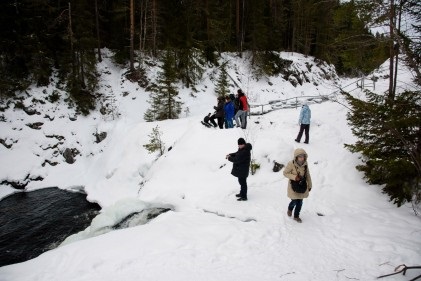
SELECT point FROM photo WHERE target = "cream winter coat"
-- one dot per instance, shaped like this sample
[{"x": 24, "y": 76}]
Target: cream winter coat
[{"x": 290, "y": 172}]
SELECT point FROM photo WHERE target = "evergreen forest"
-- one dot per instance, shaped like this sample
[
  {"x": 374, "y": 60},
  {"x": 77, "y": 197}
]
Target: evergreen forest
[{"x": 40, "y": 37}]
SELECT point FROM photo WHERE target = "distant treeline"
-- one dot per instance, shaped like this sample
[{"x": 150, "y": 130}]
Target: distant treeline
[{"x": 41, "y": 36}]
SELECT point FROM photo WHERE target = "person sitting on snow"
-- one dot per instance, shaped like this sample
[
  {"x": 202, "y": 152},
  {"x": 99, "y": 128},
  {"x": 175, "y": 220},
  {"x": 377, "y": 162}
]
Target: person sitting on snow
[{"x": 206, "y": 119}]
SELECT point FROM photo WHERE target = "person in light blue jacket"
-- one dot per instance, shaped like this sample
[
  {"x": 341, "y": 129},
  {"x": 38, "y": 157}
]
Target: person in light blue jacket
[{"x": 304, "y": 122}]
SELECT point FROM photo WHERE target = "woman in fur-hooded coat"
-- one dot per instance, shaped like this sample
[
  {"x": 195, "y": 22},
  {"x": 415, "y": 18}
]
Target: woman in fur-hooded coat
[{"x": 295, "y": 171}]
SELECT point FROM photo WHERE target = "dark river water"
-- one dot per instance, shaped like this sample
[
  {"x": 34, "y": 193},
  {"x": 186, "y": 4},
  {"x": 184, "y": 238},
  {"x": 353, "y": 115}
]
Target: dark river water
[{"x": 34, "y": 222}]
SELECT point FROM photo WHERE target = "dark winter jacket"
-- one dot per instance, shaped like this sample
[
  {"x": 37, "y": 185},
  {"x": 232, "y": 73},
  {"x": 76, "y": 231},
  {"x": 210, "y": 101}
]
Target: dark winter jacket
[
  {"x": 229, "y": 110},
  {"x": 219, "y": 109},
  {"x": 237, "y": 105},
  {"x": 241, "y": 161},
  {"x": 206, "y": 119}
]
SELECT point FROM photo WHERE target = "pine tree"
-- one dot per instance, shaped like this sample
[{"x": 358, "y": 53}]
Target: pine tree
[
  {"x": 389, "y": 139},
  {"x": 164, "y": 98},
  {"x": 222, "y": 87}
]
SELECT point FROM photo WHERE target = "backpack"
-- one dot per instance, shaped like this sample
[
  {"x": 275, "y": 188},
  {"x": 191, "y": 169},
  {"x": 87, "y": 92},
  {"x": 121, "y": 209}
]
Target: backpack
[
  {"x": 277, "y": 166},
  {"x": 301, "y": 185}
]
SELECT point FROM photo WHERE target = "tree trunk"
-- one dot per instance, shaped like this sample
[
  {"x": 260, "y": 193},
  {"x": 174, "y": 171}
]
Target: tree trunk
[
  {"x": 71, "y": 41},
  {"x": 82, "y": 69},
  {"x": 240, "y": 25},
  {"x": 397, "y": 49},
  {"x": 142, "y": 10},
  {"x": 391, "y": 96},
  {"x": 97, "y": 31},
  {"x": 154, "y": 20},
  {"x": 207, "y": 21},
  {"x": 131, "y": 35}
]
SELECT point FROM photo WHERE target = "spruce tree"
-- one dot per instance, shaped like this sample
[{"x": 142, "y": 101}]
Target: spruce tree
[
  {"x": 389, "y": 139},
  {"x": 189, "y": 66},
  {"x": 222, "y": 87},
  {"x": 164, "y": 98}
]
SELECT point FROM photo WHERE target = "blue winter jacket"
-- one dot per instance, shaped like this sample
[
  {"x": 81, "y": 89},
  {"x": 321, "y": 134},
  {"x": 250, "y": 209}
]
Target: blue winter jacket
[
  {"x": 229, "y": 110},
  {"x": 305, "y": 115}
]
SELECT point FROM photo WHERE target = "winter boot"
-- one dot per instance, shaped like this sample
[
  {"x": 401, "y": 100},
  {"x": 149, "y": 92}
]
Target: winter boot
[
  {"x": 238, "y": 195},
  {"x": 297, "y": 219},
  {"x": 289, "y": 213}
]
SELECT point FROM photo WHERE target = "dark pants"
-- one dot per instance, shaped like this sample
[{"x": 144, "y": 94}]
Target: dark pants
[
  {"x": 243, "y": 184},
  {"x": 304, "y": 128},
  {"x": 228, "y": 123},
  {"x": 212, "y": 120},
  {"x": 220, "y": 121},
  {"x": 297, "y": 203}
]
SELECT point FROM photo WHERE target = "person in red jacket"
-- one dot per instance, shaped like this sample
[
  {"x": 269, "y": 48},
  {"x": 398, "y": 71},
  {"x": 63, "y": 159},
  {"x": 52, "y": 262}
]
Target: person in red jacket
[{"x": 242, "y": 110}]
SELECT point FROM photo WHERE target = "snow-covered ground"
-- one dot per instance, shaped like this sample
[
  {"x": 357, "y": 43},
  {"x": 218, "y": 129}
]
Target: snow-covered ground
[{"x": 350, "y": 230}]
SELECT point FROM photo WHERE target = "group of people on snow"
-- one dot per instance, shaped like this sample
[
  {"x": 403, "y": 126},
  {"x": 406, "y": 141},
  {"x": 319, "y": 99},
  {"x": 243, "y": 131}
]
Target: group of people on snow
[
  {"x": 227, "y": 109},
  {"x": 297, "y": 171}
]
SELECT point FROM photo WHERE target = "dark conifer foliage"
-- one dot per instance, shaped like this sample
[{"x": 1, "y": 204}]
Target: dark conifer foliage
[
  {"x": 222, "y": 84},
  {"x": 164, "y": 100},
  {"x": 389, "y": 138},
  {"x": 39, "y": 38},
  {"x": 352, "y": 48},
  {"x": 413, "y": 48}
]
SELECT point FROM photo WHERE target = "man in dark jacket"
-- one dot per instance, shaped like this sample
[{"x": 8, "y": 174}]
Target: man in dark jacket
[
  {"x": 241, "y": 166},
  {"x": 219, "y": 113}
]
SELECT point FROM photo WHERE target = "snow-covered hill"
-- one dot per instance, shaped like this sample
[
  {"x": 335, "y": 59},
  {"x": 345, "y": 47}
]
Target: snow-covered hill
[
  {"x": 37, "y": 133},
  {"x": 349, "y": 232}
]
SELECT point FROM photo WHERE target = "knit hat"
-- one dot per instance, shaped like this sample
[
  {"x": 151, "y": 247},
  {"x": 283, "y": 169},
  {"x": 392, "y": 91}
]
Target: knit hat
[{"x": 241, "y": 141}]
